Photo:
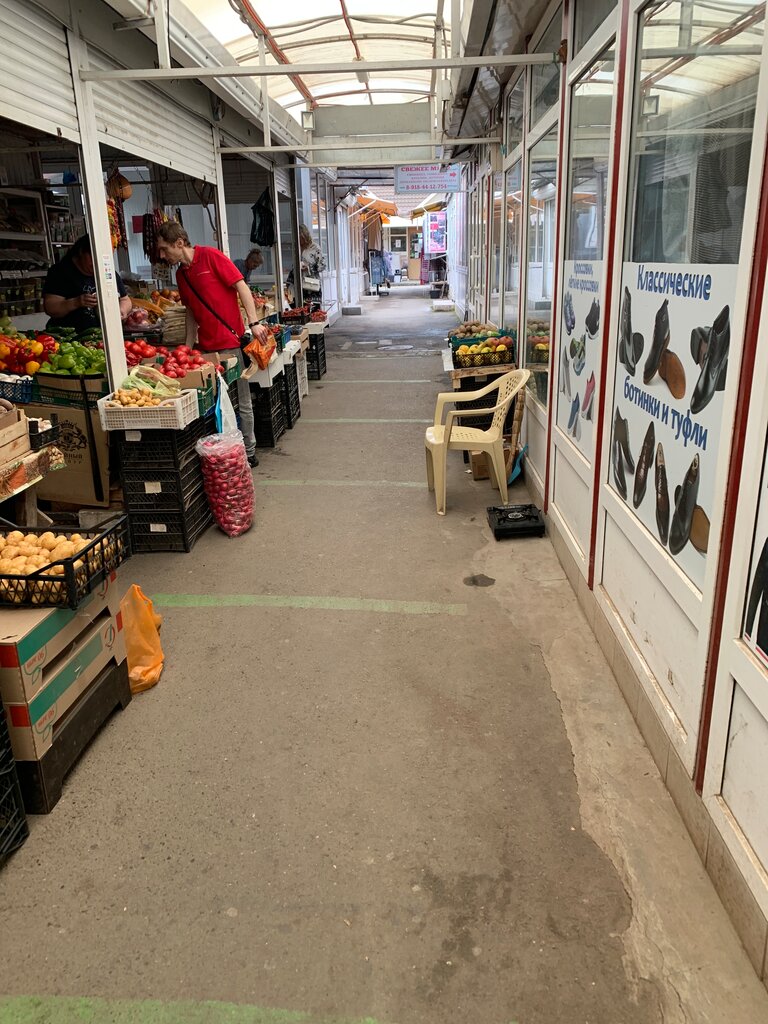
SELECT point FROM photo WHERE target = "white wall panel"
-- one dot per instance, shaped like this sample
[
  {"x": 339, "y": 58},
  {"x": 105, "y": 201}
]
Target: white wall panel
[
  {"x": 744, "y": 777},
  {"x": 571, "y": 497},
  {"x": 536, "y": 437},
  {"x": 661, "y": 631},
  {"x": 35, "y": 75},
  {"x": 142, "y": 121}
]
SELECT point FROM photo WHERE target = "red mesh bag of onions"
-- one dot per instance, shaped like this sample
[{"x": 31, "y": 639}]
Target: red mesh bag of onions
[{"x": 228, "y": 481}]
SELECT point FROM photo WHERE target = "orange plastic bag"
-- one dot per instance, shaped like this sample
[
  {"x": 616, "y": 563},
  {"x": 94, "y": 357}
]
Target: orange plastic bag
[
  {"x": 261, "y": 352},
  {"x": 142, "y": 639}
]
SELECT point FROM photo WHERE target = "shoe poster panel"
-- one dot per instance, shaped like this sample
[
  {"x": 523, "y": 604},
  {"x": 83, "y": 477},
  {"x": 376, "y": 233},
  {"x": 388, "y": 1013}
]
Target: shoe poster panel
[
  {"x": 672, "y": 362},
  {"x": 579, "y": 352},
  {"x": 756, "y": 611}
]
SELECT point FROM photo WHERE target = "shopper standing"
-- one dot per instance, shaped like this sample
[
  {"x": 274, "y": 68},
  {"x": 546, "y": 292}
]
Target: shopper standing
[
  {"x": 312, "y": 265},
  {"x": 209, "y": 285}
]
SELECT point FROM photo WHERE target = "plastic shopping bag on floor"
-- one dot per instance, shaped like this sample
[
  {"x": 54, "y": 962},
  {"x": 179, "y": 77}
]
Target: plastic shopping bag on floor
[
  {"x": 142, "y": 639},
  {"x": 228, "y": 481},
  {"x": 226, "y": 420}
]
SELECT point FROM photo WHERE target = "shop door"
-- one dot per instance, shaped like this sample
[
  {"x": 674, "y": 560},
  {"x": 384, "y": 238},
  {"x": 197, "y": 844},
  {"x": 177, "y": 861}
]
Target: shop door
[
  {"x": 581, "y": 336},
  {"x": 38, "y": 91},
  {"x": 734, "y": 784}
]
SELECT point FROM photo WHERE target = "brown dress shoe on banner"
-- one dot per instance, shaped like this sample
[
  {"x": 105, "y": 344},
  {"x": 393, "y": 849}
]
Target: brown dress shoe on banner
[
  {"x": 659, "y": 344},
  {"x": 644, "y": 461},
  {"x": 672, "y": 371}
]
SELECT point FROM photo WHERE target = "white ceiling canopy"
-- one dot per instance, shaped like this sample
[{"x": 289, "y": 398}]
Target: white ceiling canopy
[{"x": 318, "y": 31}]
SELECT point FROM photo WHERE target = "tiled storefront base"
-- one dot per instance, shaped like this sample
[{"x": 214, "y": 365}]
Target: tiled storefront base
[{"x": 745, "y": 913}]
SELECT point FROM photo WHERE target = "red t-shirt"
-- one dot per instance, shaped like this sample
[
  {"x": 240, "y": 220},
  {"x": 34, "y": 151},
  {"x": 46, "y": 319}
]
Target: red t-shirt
[{"x": 213, "y": 276}]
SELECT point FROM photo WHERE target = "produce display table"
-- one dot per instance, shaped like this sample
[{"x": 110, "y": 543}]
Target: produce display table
[{"x": 457, "y": 374}]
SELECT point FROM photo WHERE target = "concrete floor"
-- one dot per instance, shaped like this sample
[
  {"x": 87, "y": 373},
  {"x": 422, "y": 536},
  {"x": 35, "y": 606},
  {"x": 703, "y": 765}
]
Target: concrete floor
[{"x": 412, "y": 799}]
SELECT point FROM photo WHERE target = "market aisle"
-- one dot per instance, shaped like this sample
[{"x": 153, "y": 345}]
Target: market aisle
[{"x": 386, "y": 775}]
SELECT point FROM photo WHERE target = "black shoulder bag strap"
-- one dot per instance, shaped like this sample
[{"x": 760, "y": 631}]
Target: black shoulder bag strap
[{"x": 213, "y": 312}]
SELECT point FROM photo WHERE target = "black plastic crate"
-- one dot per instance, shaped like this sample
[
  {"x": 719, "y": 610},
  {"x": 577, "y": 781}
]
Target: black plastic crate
[
  {"x": 270, "y": 429},
  {"x": 171, "y": 531},
  {"x": 267, "y": 401},
  {"x": 58, "y": 389},
  {"x": 68, "y": 581},
  {"x": 291, "y": 400},
  {"x": 13, "y": 821},
  {"x": 157, "y": 489},
  {"x": 162, "y": 449},
  {"x": 40, "y": 438},
  {"x": 317, "y": 365}
]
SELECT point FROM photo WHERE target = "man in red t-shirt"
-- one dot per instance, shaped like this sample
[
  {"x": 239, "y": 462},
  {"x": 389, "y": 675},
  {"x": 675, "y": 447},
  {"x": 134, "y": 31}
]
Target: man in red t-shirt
[{"x": 209, "y": 284}]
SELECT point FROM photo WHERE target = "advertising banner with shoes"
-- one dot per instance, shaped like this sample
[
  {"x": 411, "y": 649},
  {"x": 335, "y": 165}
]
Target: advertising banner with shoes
[
  {"x": 756, "y": 611},
  {"x": 579, "y": 353},
  {"x": 672, "y": 362}
]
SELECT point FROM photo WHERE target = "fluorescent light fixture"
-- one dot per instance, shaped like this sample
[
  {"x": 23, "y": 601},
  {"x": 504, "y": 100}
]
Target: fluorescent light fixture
[{"x": 308, "y": 120}]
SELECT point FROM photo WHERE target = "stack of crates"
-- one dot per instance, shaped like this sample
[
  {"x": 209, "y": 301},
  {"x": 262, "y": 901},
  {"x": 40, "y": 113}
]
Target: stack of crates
[
  {"x": 163, "y": 487},
  {"x": 13, "y": 822},
  {"x": 291, "y": 400},
  {"x": 487, "y": 402},
  {"x": 316, "y": 362},
  {"x": 63, "y": 672},
  {"x": 268, "y": 414}
]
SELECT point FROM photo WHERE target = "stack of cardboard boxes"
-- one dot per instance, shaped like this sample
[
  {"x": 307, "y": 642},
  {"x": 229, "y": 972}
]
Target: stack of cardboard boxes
[{"x": 62, "y": 673}]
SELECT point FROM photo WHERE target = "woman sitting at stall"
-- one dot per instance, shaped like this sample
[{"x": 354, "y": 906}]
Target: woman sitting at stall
[{"x": 312, "y": 265}]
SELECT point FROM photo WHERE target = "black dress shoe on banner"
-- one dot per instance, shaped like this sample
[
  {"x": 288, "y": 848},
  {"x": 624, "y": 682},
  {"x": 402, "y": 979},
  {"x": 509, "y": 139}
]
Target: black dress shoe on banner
[
  {"x": 621, "y": 434},
  {"x": 685, "y": 505},
  {"x": 662, "y": 496},
  {"x": 659, "y": 343},
  {"x": 592, "y": 321},
  {"x": 618, "y": 469},
  {"x": 626, "y": 342},
  {"x": 644, "y": 461},
  {"x": 714, "y": 366},
  {"x": 699, "y": 344}
]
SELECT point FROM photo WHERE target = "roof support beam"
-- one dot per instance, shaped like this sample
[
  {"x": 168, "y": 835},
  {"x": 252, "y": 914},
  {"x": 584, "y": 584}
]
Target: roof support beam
[
  {"x": 380, "y": 143},
  {"x": 330, "y": 68}
]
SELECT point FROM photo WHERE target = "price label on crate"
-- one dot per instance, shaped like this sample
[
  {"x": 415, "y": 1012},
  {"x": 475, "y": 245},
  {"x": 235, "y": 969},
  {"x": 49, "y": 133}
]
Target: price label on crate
[
  {"x": 158, "y": 528},
  {"x": 153, "y": 487}
]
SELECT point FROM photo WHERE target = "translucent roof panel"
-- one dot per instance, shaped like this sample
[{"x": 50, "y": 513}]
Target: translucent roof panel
[{"x": 333, "y": 31}]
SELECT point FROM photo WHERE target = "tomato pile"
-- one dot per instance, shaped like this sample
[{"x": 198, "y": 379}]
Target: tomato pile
[
  {"x": 228, "y": 482},
  {"x": 179, "y": 361},
  {"x": 135, "y": 351}
]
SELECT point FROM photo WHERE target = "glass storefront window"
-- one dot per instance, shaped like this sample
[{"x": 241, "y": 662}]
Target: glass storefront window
[
  {"x": 590, "y": 15},
  {"x": 545, "y": 78},
  {"x": 498, "y": 212},
  {"x": 695, "y": 94},
  {"x": 693, "y": 130},
  {"x": 542, "y": 234},
  {"x": 515, "y": 112},
  {"x": 514, "y": 221},
  {"x": 580, "y": 319}
]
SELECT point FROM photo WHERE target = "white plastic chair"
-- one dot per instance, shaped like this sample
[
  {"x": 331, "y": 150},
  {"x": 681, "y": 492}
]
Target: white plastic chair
[{"x": 442, "y": 436}]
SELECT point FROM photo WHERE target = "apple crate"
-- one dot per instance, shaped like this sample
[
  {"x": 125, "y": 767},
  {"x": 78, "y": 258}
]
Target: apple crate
[{"x": 176, "y": 414}]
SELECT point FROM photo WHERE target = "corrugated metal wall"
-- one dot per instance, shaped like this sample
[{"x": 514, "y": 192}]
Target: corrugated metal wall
[
  {"x": 35, "y": 77},
  {"x": 145, "y": 122}
]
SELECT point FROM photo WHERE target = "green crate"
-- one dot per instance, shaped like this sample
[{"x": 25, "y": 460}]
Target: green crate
[
  {"x": 206, "y": 399},
  {"x": 232, "y": 374}
]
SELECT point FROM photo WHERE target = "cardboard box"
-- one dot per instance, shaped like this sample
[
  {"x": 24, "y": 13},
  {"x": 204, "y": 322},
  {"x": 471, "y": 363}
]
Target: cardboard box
[
  {"x": 32, "y": 725},
  {"x": 15, "y": 449},
  {"x": 32, "y": 638},
  {"x": 478, "y": 462},
  {"x": 86, "y": 463}
]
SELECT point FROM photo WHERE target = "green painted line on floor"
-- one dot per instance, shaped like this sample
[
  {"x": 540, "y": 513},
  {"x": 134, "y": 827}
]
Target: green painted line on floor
[
  {"x": 331, "y": 604},
  {"x": 365, "y": 421},
  {"x": 72, "y": 1010},
  {"x": 339, "y": 483}
]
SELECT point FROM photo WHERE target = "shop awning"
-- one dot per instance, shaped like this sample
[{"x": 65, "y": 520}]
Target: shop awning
[
  {"x": 431, "y": 205},
  {"x": 373, "y": 205}
]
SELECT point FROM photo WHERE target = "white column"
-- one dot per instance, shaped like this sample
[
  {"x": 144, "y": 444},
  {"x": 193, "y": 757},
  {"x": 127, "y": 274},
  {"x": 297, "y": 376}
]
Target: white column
[
  {"x": 96, "y": 214},
  {"x": 222, "y": 230}
]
